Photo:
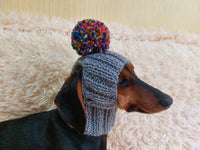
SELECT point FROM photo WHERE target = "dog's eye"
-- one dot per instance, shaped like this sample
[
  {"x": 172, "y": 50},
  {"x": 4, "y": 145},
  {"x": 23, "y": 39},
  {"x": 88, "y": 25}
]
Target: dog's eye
[{"x": 123, "y": 83}]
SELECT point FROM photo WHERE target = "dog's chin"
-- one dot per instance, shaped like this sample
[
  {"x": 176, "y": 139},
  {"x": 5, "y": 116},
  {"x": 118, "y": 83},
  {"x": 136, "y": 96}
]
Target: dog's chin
[{"x": 135, "y": 109}]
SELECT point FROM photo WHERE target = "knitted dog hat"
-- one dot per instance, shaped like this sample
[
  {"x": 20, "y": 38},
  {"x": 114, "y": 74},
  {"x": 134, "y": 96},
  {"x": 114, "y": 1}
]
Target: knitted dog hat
[{"x": 101, "y": 69}]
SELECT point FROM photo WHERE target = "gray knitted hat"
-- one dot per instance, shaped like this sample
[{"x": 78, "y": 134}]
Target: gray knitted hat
[
  {"x": 99, "y": 88},
  {"x": 101, "y": 69}
]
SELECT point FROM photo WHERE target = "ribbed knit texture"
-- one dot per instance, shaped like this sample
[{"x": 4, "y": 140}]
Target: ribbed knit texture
[{"x": 99, "y": 88}]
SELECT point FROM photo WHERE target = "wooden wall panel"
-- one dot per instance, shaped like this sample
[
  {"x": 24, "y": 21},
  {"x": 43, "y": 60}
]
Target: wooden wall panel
[{"x": 170, "y": 14}]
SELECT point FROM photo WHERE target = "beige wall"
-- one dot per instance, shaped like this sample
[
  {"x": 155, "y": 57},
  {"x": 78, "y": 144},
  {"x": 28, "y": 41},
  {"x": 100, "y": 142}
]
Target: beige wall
[{"x": 170, "y": 14}]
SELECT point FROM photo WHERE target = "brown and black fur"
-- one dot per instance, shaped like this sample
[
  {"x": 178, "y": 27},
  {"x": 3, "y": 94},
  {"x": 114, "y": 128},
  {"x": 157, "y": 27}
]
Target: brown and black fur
[{"x": 63, "y": 128}]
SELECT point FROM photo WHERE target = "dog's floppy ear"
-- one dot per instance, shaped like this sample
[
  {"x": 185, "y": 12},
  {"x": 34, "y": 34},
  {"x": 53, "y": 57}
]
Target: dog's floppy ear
[{"x": 69, "y": 106}]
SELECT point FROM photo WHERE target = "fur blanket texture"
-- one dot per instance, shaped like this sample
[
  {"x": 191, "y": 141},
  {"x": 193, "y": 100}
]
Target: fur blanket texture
[{"x": 36, "y": 57}]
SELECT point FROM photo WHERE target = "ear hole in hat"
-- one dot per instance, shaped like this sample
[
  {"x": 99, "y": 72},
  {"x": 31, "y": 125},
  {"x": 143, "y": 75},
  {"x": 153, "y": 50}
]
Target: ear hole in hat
[{"x": 70, "y": 107}]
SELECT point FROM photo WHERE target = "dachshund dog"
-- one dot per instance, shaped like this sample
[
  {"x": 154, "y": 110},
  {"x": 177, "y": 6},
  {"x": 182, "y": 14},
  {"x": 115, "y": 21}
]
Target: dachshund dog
[{"x": 63, "y": 128}]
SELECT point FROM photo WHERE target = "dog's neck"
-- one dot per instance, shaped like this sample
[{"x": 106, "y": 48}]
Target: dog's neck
[{"x": 99, "y": 121}]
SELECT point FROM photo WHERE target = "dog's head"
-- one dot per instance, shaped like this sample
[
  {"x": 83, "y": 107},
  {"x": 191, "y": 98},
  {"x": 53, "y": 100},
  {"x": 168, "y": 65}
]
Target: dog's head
[{"x": 134, "y": 95}]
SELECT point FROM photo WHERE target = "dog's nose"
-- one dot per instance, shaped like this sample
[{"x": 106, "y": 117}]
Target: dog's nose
[{"x": 167, "y": 102}]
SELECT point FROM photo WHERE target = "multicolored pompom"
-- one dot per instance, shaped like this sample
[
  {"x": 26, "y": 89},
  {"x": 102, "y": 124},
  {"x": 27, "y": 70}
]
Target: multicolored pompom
[{"x": 90, "y": 36}]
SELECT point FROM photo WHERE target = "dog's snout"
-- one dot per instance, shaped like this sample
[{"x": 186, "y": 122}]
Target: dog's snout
[
  {"x": 166, "y": 102},
  {"x": 164, "y": 99}
]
